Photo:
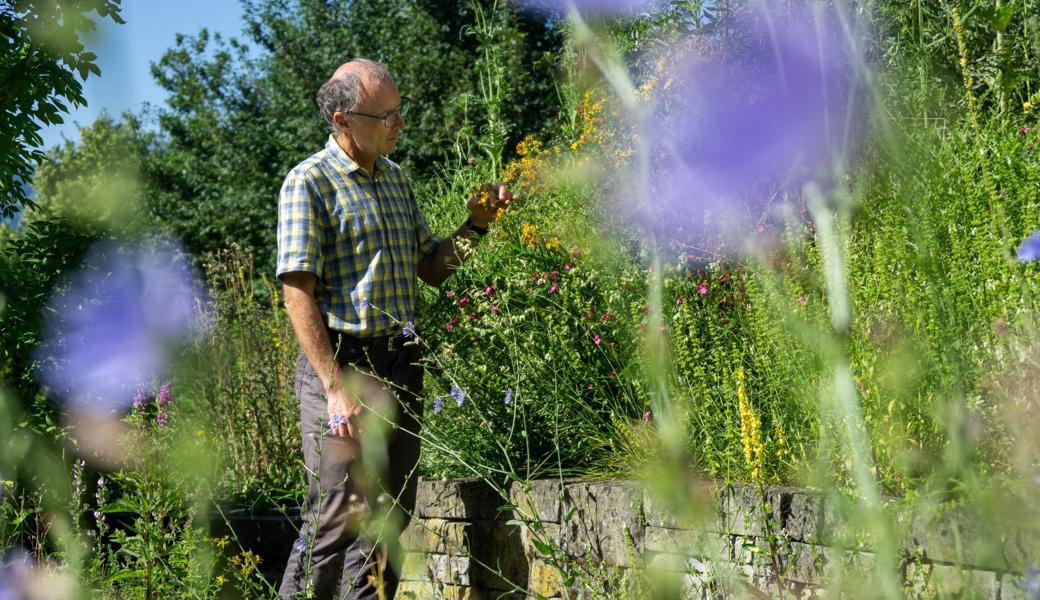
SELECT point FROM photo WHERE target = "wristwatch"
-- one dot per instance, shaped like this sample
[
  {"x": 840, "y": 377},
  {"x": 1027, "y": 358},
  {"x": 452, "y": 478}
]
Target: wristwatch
[{"x": 474, "y": 228}]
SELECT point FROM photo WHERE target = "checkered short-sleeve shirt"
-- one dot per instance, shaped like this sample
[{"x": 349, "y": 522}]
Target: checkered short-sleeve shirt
[{"x": 362, "y": 236}]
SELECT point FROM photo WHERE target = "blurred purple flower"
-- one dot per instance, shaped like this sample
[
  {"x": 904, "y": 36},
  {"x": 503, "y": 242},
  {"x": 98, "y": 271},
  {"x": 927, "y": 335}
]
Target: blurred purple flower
[
  {"x": 458, "y": 394},
  {"x": 408, "y": 330},
  {"x": 301, "y": 545},
  {"x": 111, "y": 326},
  {"x": 437, "y": 404},
  {"x": 16, "y": 573},
  {"x": 1030, "y": 583},
  {"x": 767, "y": 110},
  {"x": 1030, "y": 248},
  {"x": 602, "y": 7},
  {"x": 509, "y": 395}
]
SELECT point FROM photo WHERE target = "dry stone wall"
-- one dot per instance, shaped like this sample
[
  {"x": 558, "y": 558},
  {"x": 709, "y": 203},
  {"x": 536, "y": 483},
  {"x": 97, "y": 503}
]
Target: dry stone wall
[{"x": 548, "y": 538}]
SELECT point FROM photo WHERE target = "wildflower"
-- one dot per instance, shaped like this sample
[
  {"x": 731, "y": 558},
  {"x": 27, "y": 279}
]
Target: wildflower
[
  {"x": 702, "y": 289},
  {"x": 1027, "y": 106},
  {"x": 568, "y": 267},
  {"x": 494, "y": 310},
  {"x": 750, "y": 430},
  {"x": 451, "y": 324},
  {"x": 336, "y": 420},
  {"x": 509, "y": 396},
  {"x": 1023, "y": 130},
  {"x": 612, "y": 373},
  {"x": 220, "y": 580},
  {"x": 554, "y": 288},
  {"x": 364, "y": 303},
  {"x": 221, "y": 542},
  {"x": 471, "y": 161},
  {"x": 678, "y": 301},
  {"x": 606, "y": 316},
  {"x": 458, "y": 394},
  {"x": 110, "y": 329},
  {"x": 803, "y": 300},
  {"x": 1031, "y": 582},
  {"x": 491, "y": 289},
  {"x": 529, "y": 235},
  {"x": 1030, "y": 248},
  {"x": 301, "y": 545},
  {"x": 596, "y": 340},
  {"x": 647, "y": 416},
  {"x": 464, "y": 301},
  {"x": 163, "y": 401},
  {"x": 437, "y": 404},
  {"x": 450, "y": 293},
  {"x": 140, "y": 398},
  {"x": 408, "y": 330}
]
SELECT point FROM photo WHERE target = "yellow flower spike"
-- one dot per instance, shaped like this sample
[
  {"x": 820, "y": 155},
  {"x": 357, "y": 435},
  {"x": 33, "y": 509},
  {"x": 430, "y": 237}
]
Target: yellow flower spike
[
  {"x": 1027, "y": 106},
  {"x": 221, "y": 580}
]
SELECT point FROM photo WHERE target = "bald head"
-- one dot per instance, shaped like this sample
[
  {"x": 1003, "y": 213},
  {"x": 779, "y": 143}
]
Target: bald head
[{"x": 349, "y": 85}]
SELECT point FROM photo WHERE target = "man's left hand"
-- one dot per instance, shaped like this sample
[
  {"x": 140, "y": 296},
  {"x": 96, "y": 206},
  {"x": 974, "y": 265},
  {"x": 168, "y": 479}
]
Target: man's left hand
[{"x": 487, "y": 203}]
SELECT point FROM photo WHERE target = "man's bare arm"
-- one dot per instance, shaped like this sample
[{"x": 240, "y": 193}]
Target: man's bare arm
[
  {"x": 307, "y": 322},
  {"x": 484, "y": 207}
]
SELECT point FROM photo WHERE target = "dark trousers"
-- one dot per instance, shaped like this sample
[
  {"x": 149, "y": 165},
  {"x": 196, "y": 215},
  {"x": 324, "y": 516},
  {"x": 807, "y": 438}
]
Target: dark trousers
[{"x": 361, "y": 492}]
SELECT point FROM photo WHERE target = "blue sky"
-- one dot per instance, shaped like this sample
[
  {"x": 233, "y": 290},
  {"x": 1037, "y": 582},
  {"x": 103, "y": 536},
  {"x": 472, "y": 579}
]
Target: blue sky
[{"x": 126, "y": 51}]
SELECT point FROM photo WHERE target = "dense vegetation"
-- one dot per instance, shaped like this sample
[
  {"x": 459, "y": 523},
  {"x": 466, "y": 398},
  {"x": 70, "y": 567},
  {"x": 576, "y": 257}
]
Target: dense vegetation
[{"x": 573, "y": 342}]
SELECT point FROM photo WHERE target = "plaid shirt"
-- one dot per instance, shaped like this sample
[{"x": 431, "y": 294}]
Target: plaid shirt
[{"x": 363, "y": 236}]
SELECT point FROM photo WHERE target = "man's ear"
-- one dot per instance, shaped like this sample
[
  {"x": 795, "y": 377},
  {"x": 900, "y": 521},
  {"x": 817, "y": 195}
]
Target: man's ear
[{"x": 340, "y": 120}]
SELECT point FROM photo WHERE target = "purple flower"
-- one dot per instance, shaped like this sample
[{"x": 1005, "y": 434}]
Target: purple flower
[
  {"x": 16, "y": 574},
  {"x": 336, "y": 420},
  {"x": 1030, "y": 248},
  {"x": 409, "y": 330},
  {"x": 509, "y": 395},
  {"x": 111, "y": 327},
  {"x": 602, "y": 7},
  {"x": 437, "y": 404},
  {"x": 1030, "y": 584},
  {"x": 363, "y": 304},
  {"x": 458, "y": 394},
  {"x": 301, "y": 545},
  {"x": 770, "y": 110}
]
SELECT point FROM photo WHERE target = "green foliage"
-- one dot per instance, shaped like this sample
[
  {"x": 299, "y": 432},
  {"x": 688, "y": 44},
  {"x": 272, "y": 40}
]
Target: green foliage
[
  {"x": 41, "y": 53},
  {"x": 236, "y": 122}
]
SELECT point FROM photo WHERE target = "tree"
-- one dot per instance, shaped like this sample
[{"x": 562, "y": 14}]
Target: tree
[
  {"x": 41, "y": 53},
  {"x": 236, "y": 122}
]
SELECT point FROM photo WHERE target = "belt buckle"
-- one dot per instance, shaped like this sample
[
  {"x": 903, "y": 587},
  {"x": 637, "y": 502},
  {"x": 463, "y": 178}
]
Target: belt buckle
[{"x": 390, "y": 343}]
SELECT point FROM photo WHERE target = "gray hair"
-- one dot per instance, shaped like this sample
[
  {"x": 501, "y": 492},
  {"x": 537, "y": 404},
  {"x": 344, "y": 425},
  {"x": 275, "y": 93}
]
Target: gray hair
[{"x": 343, "y": 93}]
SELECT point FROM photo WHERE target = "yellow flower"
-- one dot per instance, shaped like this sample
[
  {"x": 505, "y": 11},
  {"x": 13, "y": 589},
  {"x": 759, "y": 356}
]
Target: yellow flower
[
  {"x": 529, "y": 235},
  {"x": 1027, "y": 106},
  {"x": 222, "y": 542},
  {"x": 552, "y": 244},
  {"x": 221, "y": 580},
  {"x": 750, "y": 430}
]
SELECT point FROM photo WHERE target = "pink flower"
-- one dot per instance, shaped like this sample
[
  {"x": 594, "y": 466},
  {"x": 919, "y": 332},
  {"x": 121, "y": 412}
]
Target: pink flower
[
  {"x": 606, "y": 316},
  {"x": 490, "y": 289},
  {"x": 596, "y": 340},
  {"x": 702, "y": 289},
  {"x": 647, "y": 415},
  {"x": 554, "y": 289},
  {"x": 534, "y": 277},
  {"x": 494, "y": 310},
  {"x": 452, "y": 323},
  {"x": 464, "y": 301},
  {"x": 803, "y": 300},
  {"x": 450, "y": 293},
  {"x": 568, "y": 267},
  {"x": 612, "y": 373},
  {"x": 678, "y": 301}
]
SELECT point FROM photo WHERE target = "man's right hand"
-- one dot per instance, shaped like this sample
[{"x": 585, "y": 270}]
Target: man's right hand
[{"x": 348, "y": 410}]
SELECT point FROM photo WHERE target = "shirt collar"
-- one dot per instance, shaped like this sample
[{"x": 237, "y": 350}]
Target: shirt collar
[{"x": 333, "y": 148}]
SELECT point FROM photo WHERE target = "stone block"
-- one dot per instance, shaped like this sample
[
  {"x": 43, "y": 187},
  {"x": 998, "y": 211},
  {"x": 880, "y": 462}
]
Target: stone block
[
  {"x": 794, "y": 514},
  {"x": 602, "y": 524},
  {"x": 457, "y": 499},
  {"x": 938, "y": 580},
  {"x": 537, "y": 500},
  {"x": 698, "y": 509},
  {"x": 1012, "y": 587},
  {"x": 958, "y": 537},
  {"x": 436, "y": 568},
  {"x": 435, "y": 536},
  {"x": 544, "y": 580},
  {"x": 704, "y": 544},
  {"x": 499, "y": 560},
  {"x": 425, "y": 590}
]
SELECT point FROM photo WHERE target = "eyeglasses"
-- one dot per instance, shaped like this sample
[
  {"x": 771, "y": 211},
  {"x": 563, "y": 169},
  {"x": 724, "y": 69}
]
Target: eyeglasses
[{"x": 389, "y": 119}]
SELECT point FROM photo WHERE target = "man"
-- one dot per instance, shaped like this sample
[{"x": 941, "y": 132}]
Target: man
[{"x": 351, "y": 245}]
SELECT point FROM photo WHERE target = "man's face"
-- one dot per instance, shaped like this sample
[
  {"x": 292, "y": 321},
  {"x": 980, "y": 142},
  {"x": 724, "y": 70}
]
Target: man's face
[{"x": 371, "y": 135}]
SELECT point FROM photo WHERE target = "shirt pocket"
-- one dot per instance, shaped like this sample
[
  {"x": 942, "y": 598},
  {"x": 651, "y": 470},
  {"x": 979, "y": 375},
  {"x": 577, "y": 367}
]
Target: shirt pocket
[{"x": 355, "y": 228}]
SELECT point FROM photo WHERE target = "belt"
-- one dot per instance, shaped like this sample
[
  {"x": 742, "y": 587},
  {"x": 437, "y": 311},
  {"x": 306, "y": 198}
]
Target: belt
[{"x": 379, "y": 343}]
